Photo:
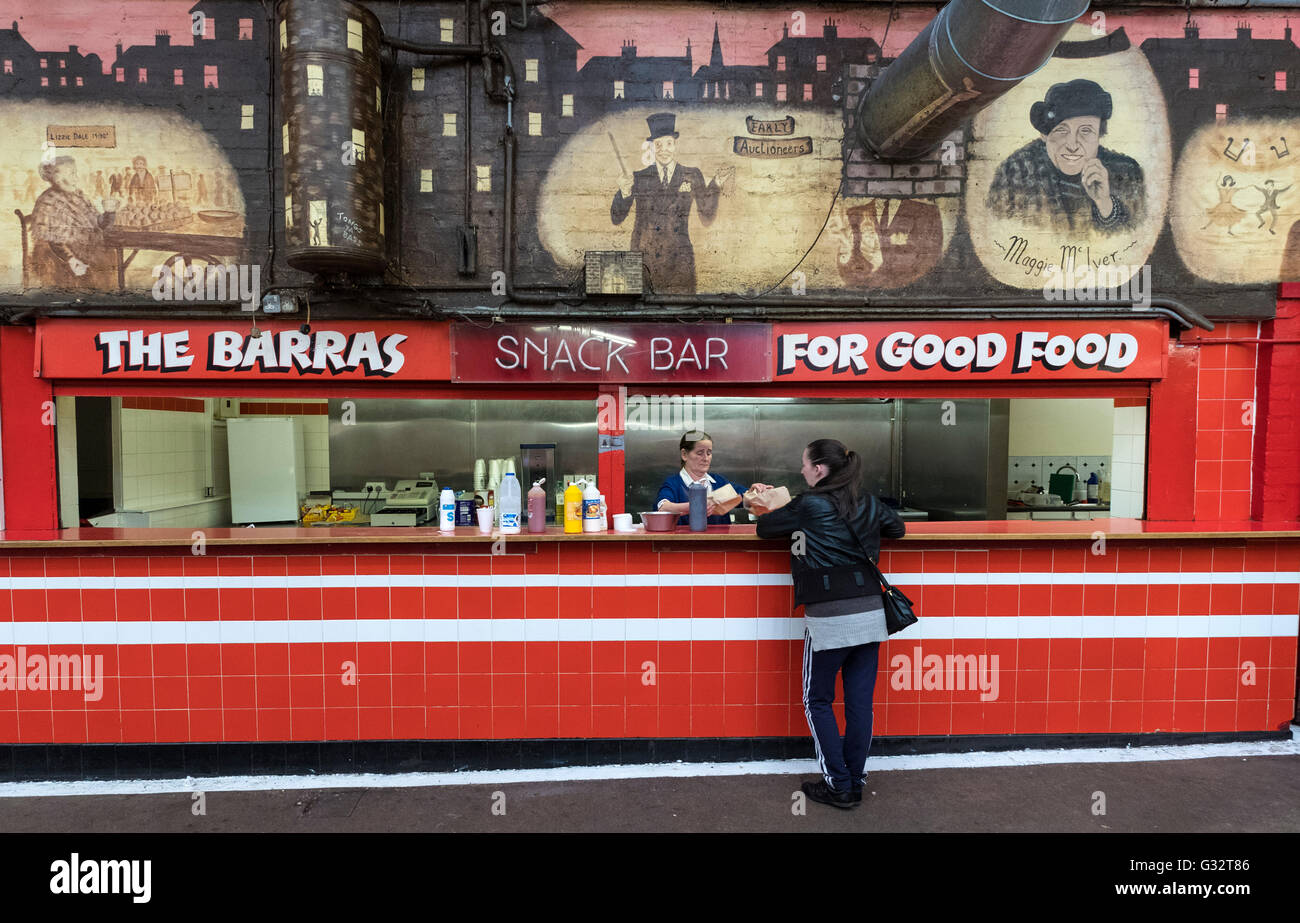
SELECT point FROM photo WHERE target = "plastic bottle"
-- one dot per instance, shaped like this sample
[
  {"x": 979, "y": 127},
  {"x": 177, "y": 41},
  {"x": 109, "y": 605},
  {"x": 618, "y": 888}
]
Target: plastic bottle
[
  {"x": 697, "y": 495},
  {"x": 573, "y": 508},
  {"x": 537, "y": 507},
  {"x": 1094, "y": 486},
  {"x": 592, "y": 521},
  {"x": 510, "y": 497},
  {"x": 447, "y": 510}
]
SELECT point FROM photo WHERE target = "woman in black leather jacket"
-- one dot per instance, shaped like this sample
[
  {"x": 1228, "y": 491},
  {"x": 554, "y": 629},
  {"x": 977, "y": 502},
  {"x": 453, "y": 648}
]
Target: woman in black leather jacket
[{"x": 834, "y": 523}]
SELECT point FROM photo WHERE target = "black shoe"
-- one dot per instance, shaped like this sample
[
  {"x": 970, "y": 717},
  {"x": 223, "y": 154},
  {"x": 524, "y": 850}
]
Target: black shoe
[
  {"x": 819, "y": 791},
  {"x": 856, "y": 794}
]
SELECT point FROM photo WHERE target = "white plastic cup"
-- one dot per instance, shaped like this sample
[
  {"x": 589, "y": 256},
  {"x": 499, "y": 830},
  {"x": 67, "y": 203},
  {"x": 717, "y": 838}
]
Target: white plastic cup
[
  {"x": 623, "y": 522},
  {"x": 485, "y": 515}
]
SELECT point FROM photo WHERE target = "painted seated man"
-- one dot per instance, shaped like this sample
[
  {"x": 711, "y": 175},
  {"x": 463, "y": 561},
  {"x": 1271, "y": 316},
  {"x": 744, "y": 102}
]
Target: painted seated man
[{"x": 1066, "y": 179}]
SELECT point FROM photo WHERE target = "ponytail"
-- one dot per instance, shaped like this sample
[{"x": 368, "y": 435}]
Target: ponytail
[{"x": 843, "y": 482}]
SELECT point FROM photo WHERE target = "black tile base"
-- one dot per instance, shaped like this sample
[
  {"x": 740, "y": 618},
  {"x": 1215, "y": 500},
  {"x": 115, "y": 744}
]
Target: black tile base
[{"x": 72, "y": 762}]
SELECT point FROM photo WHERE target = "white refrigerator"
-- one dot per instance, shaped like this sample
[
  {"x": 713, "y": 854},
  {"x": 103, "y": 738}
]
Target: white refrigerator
[{"x": 268, "y": 470}]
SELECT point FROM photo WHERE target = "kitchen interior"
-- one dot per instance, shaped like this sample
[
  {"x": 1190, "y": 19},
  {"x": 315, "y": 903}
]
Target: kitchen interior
[{"x": 218, "y": 462}]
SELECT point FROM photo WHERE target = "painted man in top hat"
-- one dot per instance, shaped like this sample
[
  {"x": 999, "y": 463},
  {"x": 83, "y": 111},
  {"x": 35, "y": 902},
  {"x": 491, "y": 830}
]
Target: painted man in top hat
[
  {"x": 663, "y": 193},
  {"x": 1065, "y": 177}
]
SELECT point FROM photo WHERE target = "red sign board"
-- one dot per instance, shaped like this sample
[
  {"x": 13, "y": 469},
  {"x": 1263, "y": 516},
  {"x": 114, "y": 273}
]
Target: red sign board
[
  {"x": 142, "y": 349},
  {"x": 600, "y": 352},
  {"x": 959, "y": 351}
]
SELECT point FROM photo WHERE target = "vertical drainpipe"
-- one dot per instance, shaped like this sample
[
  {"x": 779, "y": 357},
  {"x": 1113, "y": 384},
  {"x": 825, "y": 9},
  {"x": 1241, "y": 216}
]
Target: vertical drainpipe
[{"x": 968, "y": 56}]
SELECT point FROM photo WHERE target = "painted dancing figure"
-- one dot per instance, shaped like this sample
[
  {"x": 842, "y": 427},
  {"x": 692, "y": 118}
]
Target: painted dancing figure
[{"x": 1271, "y": 192}]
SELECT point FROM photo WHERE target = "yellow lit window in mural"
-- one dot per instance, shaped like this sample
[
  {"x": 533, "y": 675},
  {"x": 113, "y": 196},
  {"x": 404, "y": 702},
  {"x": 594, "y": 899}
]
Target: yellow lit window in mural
[
  {"x": 379, "y": 101},
  {"x": 566, "y": 105},
  {"x": 381, "y": 219},
  {"x": 63, "y": 81},
  {"x": 780, "y": 92},
  {"x": 44, "y": 63},
  {"x": 45, "y": 81},
  {"x": 119, "y": 74},
  {"x": 417, "y": 78},
  {"x": 315, "y": 80},
  {"x": 758, "y": 90},
  {"x": 284, "y": 34},
  {"x": 668, "y": 89},
  {"x": 178, "y": 77},
  {"x": 359, "y": 143},
  {"x": 245, "y": 29},
  {"x": 484, "y": 178},
  {"x": 530, "y": 70},
  {"x": 318, "y": 226},
  {"x": 448, "y": 29},
  {"x": 245, "y": 117},
  {"x": 63, "y": 62},
  {"x": 210, "y": 75},
  {"x": 9, "y": 66},
  {"x": 535, "y": 123},
  {"x": 1193, "y": 78},
  {"x": 618, "y": 89},
  {"x": 354, "y": 34},
  {"x": 449, "y": 124},
  {"x": 142, "y": 76},
  {"x": 1279, "y": 80},
  {"x": 79, "y": 83},
  {"x": 807, "y": 92},
  {"x": 780, "y": 62},
  {"x": 821, "y": 62},
  {"x": 284, "y": 138},
  {"x": 426, "y": 181},
  {"x": 288, "y": 211}
]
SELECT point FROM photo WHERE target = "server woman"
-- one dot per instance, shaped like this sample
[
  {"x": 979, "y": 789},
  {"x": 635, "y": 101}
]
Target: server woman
[
  {"x": 696, "y": 450},
  {"x": 840, "y": 525}
]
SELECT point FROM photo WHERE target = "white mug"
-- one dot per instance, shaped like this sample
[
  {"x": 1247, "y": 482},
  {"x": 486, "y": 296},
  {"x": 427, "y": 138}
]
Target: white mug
[
  {"x": 623, "y": 522},
  {"x": 485, "y": 515}
]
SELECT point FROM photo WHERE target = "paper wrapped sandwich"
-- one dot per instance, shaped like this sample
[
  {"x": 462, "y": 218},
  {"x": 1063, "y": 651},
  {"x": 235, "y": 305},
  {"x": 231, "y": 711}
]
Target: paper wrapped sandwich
[
  {"x": 725, "y": 498},
  {"x": 764, "y": 501}
]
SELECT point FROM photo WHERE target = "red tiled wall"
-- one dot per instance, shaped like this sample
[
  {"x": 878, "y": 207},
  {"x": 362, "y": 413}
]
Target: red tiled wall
[
  {"x": 181, "y": 404},
  {"x": 1225, "y": 406},
  {"x": 1277, "y": 444},
  {"x": 1070, "y": 675}
]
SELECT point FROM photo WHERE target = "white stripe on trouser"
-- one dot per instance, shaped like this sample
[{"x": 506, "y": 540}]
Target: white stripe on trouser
[{"x": 807, "y": 710}]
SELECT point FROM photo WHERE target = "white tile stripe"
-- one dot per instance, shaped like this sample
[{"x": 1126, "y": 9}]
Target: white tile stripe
[
  {"x": 308, "y": 631},
  {"x": 434, "y": 581}
]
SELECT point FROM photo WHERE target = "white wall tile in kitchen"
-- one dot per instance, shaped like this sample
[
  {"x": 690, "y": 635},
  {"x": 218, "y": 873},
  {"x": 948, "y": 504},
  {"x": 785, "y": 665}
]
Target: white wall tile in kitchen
[{"x": 1022, "y": 470}]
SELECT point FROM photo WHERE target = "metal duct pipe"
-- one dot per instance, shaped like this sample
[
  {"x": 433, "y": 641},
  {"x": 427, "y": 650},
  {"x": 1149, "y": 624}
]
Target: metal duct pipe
[{"x": 968, "y": 56}]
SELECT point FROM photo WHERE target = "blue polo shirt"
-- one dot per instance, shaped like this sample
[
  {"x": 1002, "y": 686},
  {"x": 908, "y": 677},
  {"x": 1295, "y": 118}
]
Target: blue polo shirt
[{"x": 674, "y": 491}]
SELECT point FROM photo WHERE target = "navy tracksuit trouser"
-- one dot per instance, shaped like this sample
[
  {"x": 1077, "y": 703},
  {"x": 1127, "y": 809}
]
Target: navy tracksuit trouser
[{"x": 842, "y": 761}]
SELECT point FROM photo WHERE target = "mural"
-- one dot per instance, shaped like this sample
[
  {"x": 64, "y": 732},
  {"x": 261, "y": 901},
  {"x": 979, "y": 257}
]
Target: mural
[
  {"x": 112, "y": 192},
  {"x": 1071, "y": 176},
  {"x": 1235, "y": 199},
  {"x": 717, "y": 141}
]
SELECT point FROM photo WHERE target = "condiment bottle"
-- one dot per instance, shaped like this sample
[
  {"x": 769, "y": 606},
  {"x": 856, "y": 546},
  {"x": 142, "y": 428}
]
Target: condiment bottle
[
  {"x": 447, "y": 510},
  {"x": 537, "y": 507},
  {"x": 573, "y": 508},
  {"x": 592, "y": 520},
  {"x": 697, "y": 496}
]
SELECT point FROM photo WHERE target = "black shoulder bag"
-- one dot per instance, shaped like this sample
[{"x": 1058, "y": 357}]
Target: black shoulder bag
[{"x": 898, "y": 608}]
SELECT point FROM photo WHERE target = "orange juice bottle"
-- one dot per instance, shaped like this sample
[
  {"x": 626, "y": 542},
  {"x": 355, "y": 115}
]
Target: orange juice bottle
[{"x": 573, "y": 508}]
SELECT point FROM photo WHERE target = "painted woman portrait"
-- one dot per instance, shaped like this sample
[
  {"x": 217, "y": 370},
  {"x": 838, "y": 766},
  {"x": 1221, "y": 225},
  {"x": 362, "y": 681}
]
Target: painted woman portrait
[
  {"x": 1065, "y": 178},
  {"x": 68, "y": 249}
]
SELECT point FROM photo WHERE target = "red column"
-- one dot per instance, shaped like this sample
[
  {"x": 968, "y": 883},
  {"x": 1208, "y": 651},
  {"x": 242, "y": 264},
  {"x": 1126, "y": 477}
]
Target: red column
[
  {"x": 1171, "y": 439},
  {"x": 26, "y": 436},
  {"x": 611, "y": 411},
  {"x": 1275, "y": 480}
]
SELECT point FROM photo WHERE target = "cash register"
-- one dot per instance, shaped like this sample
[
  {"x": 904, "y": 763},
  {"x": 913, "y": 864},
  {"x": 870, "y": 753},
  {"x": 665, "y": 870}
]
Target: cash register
[{"x": 411, "y": 503}]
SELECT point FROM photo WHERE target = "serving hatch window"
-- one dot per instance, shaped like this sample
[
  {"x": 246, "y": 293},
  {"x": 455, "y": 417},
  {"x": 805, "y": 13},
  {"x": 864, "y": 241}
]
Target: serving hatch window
[{"x": 196, "y": 462}]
